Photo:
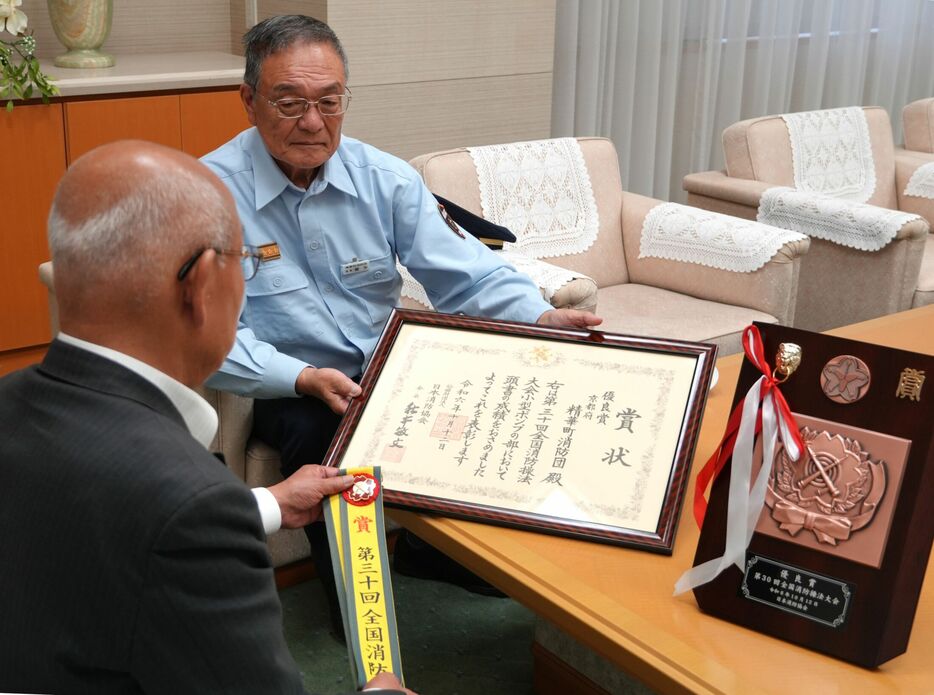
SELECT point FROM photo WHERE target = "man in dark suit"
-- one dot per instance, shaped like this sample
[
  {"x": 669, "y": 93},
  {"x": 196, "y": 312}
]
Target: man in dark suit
[{"x": 131, "y": 559}]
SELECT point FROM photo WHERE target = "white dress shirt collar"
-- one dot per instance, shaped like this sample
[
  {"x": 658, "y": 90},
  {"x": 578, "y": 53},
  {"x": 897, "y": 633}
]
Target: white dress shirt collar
[{"x": 200, "y": 418}]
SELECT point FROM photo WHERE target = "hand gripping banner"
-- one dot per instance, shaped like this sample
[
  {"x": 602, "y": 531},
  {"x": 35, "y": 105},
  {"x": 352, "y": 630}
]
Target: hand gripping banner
[
  {"x": 357, "y": 537},
  {"x": 764, "y": 410}
]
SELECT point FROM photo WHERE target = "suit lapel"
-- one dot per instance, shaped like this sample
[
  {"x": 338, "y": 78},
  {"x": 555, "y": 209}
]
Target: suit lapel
[{"x": 85, "y": 369}]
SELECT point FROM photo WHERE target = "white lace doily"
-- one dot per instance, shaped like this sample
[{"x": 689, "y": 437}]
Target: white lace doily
[
  {"x": 548, "y": 277},
  {"x": 921, "y": 183},
  {"x": 857, "y": 225},
  {"x": 412, "y": 288},
  {"x": 831, "y": 152},
  {"x": 681, "y": 233},
  {"x": 541, "y": 191}
]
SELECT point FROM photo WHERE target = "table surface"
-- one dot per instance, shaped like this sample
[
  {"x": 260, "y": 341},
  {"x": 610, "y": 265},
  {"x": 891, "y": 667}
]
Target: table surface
[{"x": 619, "y": 601}]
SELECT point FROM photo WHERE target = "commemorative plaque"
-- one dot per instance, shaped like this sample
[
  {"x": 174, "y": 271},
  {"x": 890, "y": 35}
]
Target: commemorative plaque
[
  {"x": 839, "y": 549},
  {"x": 573, "y": 432}
]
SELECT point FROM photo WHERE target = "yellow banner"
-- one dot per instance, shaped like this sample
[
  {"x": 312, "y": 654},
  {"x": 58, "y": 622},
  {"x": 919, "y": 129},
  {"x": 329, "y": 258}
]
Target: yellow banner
[{"x": 357, "y": 535}]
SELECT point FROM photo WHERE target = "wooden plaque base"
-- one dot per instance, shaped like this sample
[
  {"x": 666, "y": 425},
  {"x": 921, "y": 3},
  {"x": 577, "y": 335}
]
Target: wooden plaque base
[{"x": 810, "y": 593}]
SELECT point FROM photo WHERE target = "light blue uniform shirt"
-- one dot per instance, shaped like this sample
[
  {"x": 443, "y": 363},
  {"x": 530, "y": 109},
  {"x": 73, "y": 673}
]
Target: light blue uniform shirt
[{"x": 310, "y": 307}]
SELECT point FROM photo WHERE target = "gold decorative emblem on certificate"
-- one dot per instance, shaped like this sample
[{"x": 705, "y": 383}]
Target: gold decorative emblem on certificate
[
  {"x": 832, "y": 491},
  {"x": 541, "y": 356}
]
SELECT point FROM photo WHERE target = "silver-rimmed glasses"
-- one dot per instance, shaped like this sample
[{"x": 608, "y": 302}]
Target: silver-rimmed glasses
[
  {"x": 296, "y": 107},
  {"x": 250, "y": 256}
]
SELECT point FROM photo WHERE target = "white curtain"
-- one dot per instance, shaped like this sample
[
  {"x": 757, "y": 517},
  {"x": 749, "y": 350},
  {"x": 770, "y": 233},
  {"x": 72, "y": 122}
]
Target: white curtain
[{"x": 663, "y": 78}]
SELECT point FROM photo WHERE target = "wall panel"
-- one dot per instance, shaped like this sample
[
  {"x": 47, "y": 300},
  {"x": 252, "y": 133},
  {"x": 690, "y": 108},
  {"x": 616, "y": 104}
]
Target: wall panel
[
  {"x": 402, "y": 41},
  {"x": 144, "y": 26},
  {"x": 429, "y": 116}
]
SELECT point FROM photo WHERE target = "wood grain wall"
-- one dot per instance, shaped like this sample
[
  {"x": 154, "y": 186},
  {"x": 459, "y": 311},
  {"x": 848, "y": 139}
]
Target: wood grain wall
[
  {"x": 434, "y": 74},
  {"x": 145, "y": 26}
]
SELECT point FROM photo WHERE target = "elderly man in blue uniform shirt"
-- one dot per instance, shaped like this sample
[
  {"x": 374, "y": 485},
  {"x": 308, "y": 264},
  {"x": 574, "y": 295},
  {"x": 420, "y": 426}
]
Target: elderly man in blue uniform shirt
[{"x": 330, "y": 215}]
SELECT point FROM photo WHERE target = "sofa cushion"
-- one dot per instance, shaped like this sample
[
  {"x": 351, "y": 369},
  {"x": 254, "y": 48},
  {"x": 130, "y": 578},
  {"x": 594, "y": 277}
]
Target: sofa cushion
[
  {"x": 759, "y": 148},
  {"x": 633, "y": 309}
]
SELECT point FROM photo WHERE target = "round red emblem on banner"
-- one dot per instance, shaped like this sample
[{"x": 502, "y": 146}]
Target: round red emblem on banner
[{"x": 364, "y": 490}]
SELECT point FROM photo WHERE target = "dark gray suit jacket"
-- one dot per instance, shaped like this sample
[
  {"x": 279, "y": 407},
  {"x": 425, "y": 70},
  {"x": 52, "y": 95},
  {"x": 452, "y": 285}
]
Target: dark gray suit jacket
[{"x": 131, "y": 559}]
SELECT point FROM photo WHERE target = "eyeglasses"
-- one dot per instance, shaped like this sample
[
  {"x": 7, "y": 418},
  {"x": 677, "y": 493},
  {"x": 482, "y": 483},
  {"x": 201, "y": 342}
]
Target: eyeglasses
[
  {"x": 250, "y": 256},
  {"x": 296, "y": 107}
]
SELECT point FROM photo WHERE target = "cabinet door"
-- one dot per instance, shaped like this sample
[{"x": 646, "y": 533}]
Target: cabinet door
[
  {"x": 34, "y": 160},
  {"x": 209, "y": 119},
  {"x": 93, "y": 123}
]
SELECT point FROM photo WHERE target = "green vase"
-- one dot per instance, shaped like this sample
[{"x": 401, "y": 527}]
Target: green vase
[{"x": 82, "y": 26}]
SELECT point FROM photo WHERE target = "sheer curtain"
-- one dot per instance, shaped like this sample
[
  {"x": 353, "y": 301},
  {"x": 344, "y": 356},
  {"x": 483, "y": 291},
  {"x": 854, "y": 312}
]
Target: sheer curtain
[{"x": 663, "y": 78}]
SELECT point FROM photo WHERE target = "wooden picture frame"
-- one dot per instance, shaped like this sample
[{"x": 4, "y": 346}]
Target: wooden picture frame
[{"x": 572, "y": 432}]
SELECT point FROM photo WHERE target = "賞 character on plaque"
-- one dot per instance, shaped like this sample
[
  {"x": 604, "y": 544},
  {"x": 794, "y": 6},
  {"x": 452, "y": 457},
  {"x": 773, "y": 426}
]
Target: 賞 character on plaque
[{"x": 565, "y": 431}]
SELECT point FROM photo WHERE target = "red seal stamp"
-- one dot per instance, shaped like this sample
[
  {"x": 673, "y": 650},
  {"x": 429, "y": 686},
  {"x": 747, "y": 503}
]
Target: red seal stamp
[
  {"x": 364, "y": 490},
  {"x": 845, "y": 379}
]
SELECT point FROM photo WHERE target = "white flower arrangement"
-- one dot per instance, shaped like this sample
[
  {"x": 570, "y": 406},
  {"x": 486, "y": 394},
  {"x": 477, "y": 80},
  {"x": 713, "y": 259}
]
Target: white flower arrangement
[{"x": 20, "y": 75}]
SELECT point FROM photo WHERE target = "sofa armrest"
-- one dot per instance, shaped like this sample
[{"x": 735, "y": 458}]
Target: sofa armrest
[
  {"x": 771, "y": 289},
  {"x": 579, "y": 293},
  {"x": 716, "y": 184},
  {"x": 234, "y": 424},
  {"x": 906, "y": 163},
  {"x": 569, "y": 289}
]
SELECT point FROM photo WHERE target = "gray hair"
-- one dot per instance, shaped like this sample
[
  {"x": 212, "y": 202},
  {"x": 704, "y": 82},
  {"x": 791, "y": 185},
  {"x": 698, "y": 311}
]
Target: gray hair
[
  {"x": 144, "y": 229},
  {"x": 278, "y": 33}
]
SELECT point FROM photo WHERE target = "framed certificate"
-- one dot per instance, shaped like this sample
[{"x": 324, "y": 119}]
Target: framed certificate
[{"x": 566, "y": 431}]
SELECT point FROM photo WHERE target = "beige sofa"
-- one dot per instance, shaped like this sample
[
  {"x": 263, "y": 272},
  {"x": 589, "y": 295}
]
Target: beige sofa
[
  {"x": 918, "y": 124},
  {"x": 645, "y": 296},
  {"x": 838, "y": 285}
]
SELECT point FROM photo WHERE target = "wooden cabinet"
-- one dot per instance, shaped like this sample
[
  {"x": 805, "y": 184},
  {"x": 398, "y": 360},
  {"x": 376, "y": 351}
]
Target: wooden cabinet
[
  {"x": 93, "y": 123},
  {"x": 195, "y": 123},
  {"x": 209, "y": 119},
  {"x": 33, "y": 140},
  {"x": 39, "y": 141}
]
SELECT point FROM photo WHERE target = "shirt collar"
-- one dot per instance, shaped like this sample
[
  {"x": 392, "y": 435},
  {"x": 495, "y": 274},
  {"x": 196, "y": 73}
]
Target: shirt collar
[
  {"x": 334, "y": 173},
  {"x": 270, "y": 182},
  {"x": 200, "y": 418}
]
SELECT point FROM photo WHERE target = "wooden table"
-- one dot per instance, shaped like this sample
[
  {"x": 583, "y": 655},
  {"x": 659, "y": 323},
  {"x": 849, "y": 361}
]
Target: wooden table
[{"x": 619, "y": 602}]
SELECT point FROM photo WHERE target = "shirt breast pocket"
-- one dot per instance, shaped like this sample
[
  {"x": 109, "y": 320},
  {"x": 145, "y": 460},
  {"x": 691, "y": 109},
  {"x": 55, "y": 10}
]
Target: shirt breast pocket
[
  {"x": 278, "y": 306},
  {"x": 377, "y": 286}
]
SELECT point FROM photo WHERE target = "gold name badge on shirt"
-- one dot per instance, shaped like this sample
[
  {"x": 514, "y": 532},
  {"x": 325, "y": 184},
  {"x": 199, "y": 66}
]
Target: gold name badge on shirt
[{"x": 270, "y": 252}]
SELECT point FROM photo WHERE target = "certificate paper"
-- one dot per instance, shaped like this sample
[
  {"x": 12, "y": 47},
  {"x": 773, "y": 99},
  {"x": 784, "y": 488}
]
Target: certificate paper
[{"x": 577, "y": 435}]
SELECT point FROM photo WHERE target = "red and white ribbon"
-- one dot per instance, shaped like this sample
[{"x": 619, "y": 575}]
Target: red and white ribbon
[{"x": 763, "y": 409}]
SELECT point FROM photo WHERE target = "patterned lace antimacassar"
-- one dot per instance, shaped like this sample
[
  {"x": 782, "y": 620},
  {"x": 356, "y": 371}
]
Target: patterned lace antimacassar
[{"x": 691, "y": 235}]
